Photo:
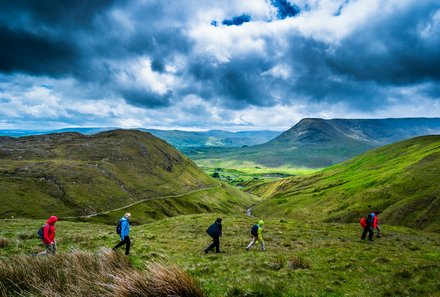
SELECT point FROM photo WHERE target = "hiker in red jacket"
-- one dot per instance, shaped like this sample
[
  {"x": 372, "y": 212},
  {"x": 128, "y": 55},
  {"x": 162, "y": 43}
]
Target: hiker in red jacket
[{"x": 49, "y": 237}]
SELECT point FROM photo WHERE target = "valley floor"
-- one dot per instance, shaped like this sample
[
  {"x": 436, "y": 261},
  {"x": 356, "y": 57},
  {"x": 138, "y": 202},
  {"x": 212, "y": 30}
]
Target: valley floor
[{"x": 302, "y": 259}]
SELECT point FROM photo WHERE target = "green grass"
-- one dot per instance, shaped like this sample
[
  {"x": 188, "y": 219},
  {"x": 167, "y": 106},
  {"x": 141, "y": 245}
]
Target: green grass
[
  {"x": 245, "y": 173},
  {"x": 399, "y": 179},
  {"x": 302, "y": 258}
]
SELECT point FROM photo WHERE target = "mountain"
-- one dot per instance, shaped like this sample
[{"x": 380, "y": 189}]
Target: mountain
[
  {"x": 187, "y": 140},
  {"x": 400, "y": 179},
  {"x": 318, "y": 143},
  {"x": 182, "y": 140},
  {"x": 72, "y": 174}
]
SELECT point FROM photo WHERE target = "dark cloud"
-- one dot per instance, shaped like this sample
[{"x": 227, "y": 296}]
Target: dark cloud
[
  {"x": 285, "y": 9},
  {"x": 47, "y": 13},
  {"x": 22, "y": 51},
  {"x": 392, "y": 50},
  {"x": 145, "y": 98},
  {"x": 237, "y": 20}
]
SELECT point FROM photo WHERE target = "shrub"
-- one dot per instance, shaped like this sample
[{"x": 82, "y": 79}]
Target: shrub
[
  {"x": 4, "y": 242},
  {"x": 86, "y": 274},
  {"x": 297, "y": 263}
]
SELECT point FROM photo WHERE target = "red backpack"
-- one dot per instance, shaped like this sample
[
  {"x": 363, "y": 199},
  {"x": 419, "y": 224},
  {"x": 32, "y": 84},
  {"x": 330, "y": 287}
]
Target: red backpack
[{"x": 363, "y": 222}]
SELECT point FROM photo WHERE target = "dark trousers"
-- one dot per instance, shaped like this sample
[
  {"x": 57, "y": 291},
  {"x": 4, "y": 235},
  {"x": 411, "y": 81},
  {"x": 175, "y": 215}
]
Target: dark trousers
[
  {"x": 368, "y": 229},
  {"x": 215, "y": 243},
  {"x": 126, "y": 241}
]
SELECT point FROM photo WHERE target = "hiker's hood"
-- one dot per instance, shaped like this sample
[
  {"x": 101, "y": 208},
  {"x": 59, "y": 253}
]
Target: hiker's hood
[
  {"x": 52, "y": 220},
  {"x": 260, "y": 223}
]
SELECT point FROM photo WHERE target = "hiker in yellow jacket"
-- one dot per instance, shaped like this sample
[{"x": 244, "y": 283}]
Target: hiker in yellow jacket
[{"x": 257, "y": 235}]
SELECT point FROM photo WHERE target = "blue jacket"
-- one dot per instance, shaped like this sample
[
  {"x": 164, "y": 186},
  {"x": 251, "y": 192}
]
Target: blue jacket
[{"x": 125, "y": 228}]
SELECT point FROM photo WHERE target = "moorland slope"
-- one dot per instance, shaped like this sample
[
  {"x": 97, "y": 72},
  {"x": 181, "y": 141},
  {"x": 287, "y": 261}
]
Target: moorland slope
[{"x": 400, "y": 179}]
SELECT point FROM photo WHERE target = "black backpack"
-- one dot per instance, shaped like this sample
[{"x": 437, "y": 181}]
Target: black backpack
[
  {"x": 40, "y": 232},
  {"x": 118, "y": 228},
  {"x": 370, "y": 220},
  {"x": 254, "y": 230}
]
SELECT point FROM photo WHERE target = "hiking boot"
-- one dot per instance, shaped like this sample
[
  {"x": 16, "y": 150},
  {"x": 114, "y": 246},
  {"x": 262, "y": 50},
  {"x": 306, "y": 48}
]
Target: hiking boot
[
  {"x": 206, "y": 251},
  {"x": 248, "y": 249},
  {"x": 378, "y": 236}
]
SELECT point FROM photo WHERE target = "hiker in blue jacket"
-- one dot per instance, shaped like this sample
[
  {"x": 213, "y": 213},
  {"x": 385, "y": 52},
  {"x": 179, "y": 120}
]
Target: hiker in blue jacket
[
  {"x": 125, "y": 232},
  {"x": 215, "y": 231}
]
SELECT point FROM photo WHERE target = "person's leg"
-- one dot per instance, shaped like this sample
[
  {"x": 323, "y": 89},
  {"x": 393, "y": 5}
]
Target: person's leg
[
  {"x": 127, "y": 246},
  {"x": 263, "y": 248},
  {"x": 217, "y": 244},
  {"x": 210, "y": 247},
  {"x": 251, "y": 243},
  {"x": 364, "y": 233},
  {"x": 378, "y": 232},
  {"x": 370, "y": 233},
  {"x": 121, "y": 243}
]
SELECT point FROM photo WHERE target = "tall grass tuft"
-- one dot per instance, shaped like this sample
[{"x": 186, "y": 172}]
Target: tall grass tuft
[
  {"x": 4, "y": 242},
  {"x": 86, "y": 274}
]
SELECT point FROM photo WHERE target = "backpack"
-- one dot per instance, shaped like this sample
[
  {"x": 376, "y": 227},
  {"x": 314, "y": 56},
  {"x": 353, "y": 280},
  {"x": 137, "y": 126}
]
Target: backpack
[
  {"x": 40, "y": 232},
  {"x": 363, "y": 222},
  {"x": 254, "y": 230},
  {"x": 212, "y": 230},
  {"x": 370, "y": 219},
  {"x": 118, "y": 228}
]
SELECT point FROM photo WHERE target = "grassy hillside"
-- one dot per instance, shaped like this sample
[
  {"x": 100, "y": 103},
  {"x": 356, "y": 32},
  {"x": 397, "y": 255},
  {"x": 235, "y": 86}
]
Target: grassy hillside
[
  {"x": 70, "y": 174},
  {"x": 399, "y": 179},
  {"x": 317, "y": 143},
  {"x": 302, "y": 259}
]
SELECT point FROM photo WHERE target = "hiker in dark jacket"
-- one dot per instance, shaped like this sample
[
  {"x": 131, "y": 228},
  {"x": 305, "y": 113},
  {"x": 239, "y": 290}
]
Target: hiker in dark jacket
[
  {"x": 369, "y": 227},
  {"x": 49, "y": 237},
  {"x": 215, "y": 231},
  {"x": 125, "y": 232}
]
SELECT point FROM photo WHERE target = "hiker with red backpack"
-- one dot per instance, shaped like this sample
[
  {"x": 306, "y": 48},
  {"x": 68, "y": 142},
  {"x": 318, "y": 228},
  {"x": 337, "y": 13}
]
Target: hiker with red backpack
[
  {"x": 123, "y": 229},
  {"x": 369, "y": 224},
  {"x": 47, "y": 235},
  {"x": 257, "y": 236}
]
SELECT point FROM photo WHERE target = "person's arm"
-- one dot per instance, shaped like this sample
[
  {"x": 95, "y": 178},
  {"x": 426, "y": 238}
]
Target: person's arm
[{"x": 260, "y": 234}]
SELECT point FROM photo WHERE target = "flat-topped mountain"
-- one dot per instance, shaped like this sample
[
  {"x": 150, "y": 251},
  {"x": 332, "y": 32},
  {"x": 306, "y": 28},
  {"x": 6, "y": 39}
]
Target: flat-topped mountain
[
  {"x": 320, "y": 143},
  {"x": 74, "y": 174}
]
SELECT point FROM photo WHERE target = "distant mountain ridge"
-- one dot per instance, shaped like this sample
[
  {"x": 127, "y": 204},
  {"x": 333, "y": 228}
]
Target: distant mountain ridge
[
  {"x": 182, "y": 140},
  {"x": 315, "y": 143}
]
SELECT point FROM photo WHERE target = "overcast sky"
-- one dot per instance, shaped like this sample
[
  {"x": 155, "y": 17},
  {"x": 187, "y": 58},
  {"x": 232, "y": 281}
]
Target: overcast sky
[{"x": 236, "y": 65}]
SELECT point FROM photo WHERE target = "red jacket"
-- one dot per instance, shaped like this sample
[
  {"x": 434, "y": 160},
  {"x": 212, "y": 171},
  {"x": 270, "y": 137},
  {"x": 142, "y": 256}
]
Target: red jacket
[
  {"x": 49, "y": 230},
  {"x": 375, "y": 221}
]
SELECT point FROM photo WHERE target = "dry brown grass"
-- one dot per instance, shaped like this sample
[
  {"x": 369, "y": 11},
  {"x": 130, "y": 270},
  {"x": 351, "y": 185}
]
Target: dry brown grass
[
  {"x": 86, "y": 274},
  {"x": 4, "y": 242}
]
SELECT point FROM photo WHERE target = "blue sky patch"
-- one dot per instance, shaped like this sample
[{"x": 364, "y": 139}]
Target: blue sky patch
[{"x": 285, "y": 9}]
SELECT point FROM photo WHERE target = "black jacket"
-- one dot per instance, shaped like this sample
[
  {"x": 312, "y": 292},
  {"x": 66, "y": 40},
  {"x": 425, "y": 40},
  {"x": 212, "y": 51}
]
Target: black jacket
[{"x": 215, "y": 230}]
